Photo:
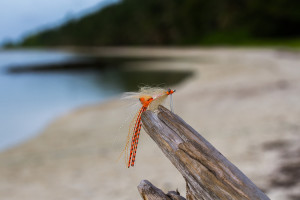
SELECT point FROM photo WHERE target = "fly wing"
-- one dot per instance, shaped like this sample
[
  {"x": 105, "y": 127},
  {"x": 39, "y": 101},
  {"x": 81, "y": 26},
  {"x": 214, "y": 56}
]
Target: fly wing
[{"x": 129, "y": 96}]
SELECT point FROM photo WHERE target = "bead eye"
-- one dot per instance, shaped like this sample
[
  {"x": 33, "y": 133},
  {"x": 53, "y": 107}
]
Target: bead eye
[{"x": 170, "y": 91}]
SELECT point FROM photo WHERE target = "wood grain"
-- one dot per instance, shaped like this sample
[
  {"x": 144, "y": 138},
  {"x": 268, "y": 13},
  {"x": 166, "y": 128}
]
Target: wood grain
[{"x": 208, "y": 174}]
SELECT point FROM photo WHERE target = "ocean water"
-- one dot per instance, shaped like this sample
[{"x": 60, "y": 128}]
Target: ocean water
[{"x": 29, "y": 101}]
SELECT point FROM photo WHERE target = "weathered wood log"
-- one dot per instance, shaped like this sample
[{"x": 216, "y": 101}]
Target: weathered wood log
[
  {"x": 150, "y": 192},
  {"x": 208, "y": 174}
]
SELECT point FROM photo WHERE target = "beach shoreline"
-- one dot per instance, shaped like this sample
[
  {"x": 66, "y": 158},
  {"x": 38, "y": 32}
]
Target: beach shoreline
[{"x": 243, "y": 101}]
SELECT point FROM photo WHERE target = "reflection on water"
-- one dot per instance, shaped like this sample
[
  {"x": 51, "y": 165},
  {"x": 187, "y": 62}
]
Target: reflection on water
[{"x": 31, "y": 100}]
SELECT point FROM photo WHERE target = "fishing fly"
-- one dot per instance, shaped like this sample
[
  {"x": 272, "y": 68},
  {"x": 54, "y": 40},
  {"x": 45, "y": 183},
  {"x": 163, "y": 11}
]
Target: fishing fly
[{"x": 149, "y": 99}]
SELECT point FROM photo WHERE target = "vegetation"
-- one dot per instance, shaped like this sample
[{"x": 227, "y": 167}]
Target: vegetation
[{"x": 180, "y": 22}]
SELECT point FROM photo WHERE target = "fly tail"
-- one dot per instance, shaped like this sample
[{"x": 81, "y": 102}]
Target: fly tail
[
  {"x": 136, "y": 143},
  {"x": 135, "y": 138}
]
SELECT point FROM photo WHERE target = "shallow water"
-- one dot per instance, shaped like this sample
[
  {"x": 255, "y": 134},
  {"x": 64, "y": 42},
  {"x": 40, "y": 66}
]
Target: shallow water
[{"x": 29, "y": 101}]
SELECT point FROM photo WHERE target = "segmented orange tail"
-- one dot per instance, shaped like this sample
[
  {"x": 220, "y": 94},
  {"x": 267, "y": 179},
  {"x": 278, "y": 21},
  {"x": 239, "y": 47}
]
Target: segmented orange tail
[{"x": 135, "y": 137}]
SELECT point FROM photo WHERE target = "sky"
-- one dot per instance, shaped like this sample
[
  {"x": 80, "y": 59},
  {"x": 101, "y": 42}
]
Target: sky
[{"x": 21, "y": 17}]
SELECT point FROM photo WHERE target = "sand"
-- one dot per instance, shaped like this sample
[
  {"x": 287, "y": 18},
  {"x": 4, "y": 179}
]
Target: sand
[{"x": 243, "y": 101}]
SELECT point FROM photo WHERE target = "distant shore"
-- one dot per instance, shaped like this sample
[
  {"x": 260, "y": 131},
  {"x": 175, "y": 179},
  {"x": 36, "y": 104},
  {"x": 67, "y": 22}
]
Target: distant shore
[{"x": 244, "y": 101}]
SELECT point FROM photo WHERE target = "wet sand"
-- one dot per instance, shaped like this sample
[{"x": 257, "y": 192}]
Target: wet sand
[{"x": 243, "y": 101}]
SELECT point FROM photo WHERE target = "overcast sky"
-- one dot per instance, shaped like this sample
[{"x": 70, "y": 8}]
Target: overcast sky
[{"x": 18, "y": 17}]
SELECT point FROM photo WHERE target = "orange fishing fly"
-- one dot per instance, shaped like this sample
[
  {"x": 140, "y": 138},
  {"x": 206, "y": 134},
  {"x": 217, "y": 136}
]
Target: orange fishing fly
[{"x": 150, "y": 98}]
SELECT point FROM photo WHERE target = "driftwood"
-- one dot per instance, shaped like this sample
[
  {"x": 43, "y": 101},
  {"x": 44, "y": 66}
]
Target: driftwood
[
  {"x": 208, "y": 174},
  {"x": 150, "y": 192}
]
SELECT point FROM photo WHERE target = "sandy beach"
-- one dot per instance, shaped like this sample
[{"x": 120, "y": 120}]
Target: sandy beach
[{"x": 245, "y": 102}]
